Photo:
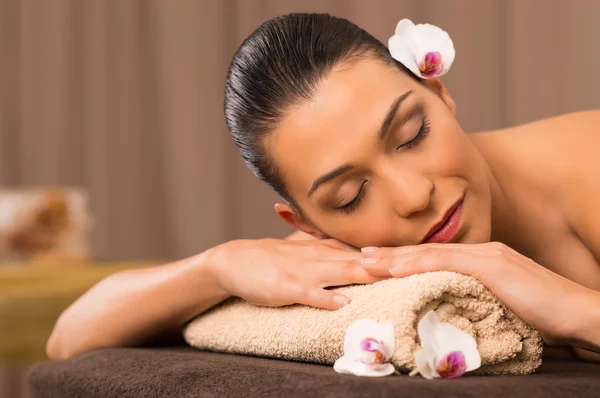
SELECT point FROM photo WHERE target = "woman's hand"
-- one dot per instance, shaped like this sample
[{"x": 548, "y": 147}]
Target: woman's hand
[
  {"x": 542, "y": 298},
  {"x": 273, "y": 272}
]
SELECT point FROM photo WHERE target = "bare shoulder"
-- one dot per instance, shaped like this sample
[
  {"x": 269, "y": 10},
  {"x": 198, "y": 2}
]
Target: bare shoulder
[
  {"x": 539, "y": 139},
  {"x": 570, "y": 131},
  {"x": 559, "y": 156},
  {"x": 550, "y": 151},
  {"x": 565, "y": 145},
  {"x": 565, "y": 156}
]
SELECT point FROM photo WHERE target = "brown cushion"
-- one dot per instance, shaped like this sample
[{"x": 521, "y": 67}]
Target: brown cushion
[{"x": 185, "y": 372}]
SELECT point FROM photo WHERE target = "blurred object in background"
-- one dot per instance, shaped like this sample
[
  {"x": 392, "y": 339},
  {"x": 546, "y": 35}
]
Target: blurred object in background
[
  {"x": 44, "y": 225},
  {"x": 32, "y": 298},
  {"x": 125, "y": 99}
]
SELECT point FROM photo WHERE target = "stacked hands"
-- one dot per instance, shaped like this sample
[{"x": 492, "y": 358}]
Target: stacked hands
[{"x": 274, "y": 272}]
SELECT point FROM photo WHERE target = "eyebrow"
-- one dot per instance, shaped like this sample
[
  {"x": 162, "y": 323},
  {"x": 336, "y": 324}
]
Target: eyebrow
[{"x": 385, "y": 126}]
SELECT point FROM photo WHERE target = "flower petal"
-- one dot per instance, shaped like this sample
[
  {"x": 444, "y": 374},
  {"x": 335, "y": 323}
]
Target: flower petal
[
  {"x": 404, "y": 26},
  {"x": 449, "y": 338},
  {"x": 431, "y": 64},
  {"x": 440, "y": 339},
  {"x": 401, "y": 53},
  {"x": 373, "y": 351},
  {"x": 349, "y": 366},
  {"x": 368, "y": 328},
  {"x": 357, "y": 331},
  {"x": 430, "y": 38},
  {"x": 411, "y": 43},
  {"x": 452, "y": 365},
  {"x": 386, "y": 334},
  {"x": 424, "y": 360},
  {"x": 426, "y": 330}
]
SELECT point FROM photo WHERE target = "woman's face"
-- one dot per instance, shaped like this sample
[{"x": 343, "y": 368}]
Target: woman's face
[{"x": 377, "y": 159}]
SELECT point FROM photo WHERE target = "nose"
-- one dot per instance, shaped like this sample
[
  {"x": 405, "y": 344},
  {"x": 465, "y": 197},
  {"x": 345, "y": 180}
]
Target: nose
[{"x": 410, "y": 192}]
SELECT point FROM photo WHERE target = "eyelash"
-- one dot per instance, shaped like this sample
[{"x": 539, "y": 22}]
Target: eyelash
[
  {"x": 423, "y": 132},
  {"x": 351, "y": 206}
]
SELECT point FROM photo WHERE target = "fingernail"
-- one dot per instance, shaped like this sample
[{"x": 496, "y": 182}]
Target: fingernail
[
  {"x": 396, "y": 271},
  {"x": 343, "y": 300},
  {"x": 367, "y": 261},
  {"x": 369, "y": 249}
]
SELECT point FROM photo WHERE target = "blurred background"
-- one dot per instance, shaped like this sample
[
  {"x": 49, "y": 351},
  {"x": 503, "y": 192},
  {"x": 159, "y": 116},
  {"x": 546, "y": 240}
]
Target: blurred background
[{"x": 113, "y": 147}]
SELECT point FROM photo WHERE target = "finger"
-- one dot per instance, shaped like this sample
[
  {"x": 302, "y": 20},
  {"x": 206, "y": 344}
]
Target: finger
[
  {"x": 336, "y": 244},
  {"x": 330, "y": 253},
  {"x": 379, "y": 261},
  {"x": 378, "y": 270},
  {"x": 341, "y": 255},
  {"x": 381, "y": 252},
  {"x": 463, "y": 262},
  {"x": 427, "y": 260},
  {"x": 321, "y": 298},
  {"x": 349, "y": 273}
]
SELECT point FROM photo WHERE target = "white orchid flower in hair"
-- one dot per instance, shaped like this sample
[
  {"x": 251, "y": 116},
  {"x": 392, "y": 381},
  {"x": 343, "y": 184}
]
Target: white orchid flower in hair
[
  {"x": 425, "y": 49},
  {"x": 368, "y": 346}
]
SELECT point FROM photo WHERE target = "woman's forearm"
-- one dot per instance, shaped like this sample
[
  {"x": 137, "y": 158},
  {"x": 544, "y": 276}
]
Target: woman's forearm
[
  {"x": 136, "y": 306},
  {"x": 586, "y": 343}
]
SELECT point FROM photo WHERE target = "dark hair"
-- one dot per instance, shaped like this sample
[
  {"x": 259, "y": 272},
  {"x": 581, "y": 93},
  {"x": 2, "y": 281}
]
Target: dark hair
[{"x": 279, "y": 65}]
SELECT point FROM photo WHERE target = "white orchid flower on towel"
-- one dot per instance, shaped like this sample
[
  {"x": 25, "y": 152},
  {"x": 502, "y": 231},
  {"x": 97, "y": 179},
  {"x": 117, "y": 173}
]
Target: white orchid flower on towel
[
  {"x": 446, "y": 351},
  {"x": 368, "y": 346},
  {"x": 425, "y": 49}
]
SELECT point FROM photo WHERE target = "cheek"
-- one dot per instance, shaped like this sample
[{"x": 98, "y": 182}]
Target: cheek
[
  {"x": 458, "y": 160},
  {"x": 373, "y": 227},
  {"x": 471, "y": 168},
  {"x": 372, "y": 235},
  {"x": 451, "y": 154}
]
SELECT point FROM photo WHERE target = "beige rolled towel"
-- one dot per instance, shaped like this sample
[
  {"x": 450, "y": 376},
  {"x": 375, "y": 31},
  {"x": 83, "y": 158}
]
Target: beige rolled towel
[{"x": 506, "y": 343}]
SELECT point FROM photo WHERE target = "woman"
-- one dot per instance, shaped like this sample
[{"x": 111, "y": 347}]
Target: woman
[{"x": 366, "y": 155}]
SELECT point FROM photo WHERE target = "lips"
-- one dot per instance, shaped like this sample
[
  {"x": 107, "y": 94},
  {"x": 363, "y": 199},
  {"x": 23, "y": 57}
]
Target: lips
[{"x": 448, "y": 227}]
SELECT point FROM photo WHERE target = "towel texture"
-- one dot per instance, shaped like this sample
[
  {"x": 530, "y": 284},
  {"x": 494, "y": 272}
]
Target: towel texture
[{"x": 506, "y": 343}]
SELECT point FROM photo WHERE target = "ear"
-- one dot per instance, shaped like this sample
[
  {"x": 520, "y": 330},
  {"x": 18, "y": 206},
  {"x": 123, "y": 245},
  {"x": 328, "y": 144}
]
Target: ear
[
  {"x": 290, "y": 216},
  {"x": 438, "y": 87}
]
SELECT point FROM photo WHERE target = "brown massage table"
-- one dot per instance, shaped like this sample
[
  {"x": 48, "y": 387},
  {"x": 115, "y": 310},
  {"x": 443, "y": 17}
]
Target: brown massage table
[{"x": 186, "y": 372}]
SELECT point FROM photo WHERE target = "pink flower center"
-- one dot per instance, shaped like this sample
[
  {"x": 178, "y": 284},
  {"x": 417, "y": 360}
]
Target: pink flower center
[
  {"x": 372, "y": 351},
  {"x": 431, "y": 64},
  {"x": 452, "y": 365}
]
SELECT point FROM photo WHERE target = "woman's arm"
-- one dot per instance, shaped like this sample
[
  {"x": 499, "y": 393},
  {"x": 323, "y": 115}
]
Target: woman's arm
[
  {"x": 587, "y": 331},
  {"x": 135, "y": 306},
  {"x": 123, "y": 309},
  {"x": 564, "y": 312}
]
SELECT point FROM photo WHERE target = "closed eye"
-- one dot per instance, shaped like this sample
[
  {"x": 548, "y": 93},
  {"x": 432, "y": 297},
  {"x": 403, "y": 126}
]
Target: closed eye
[
  {"x": 353, "y": 204},
  {"x": 423, "y": 132}
]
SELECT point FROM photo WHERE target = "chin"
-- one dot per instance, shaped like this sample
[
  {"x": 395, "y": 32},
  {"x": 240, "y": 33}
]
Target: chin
[
  {"x": 475, "y": 229},
  {"x": 474, "y": 236}
]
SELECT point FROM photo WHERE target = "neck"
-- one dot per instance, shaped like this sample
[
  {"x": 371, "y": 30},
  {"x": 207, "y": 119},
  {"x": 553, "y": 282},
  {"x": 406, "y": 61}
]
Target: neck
[
  {"x": 504, "y": 220},
  {"x": 508, "y": 217}
]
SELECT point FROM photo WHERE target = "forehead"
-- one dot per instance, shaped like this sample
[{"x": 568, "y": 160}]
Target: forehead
[{"x": 346, "y": 112}]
